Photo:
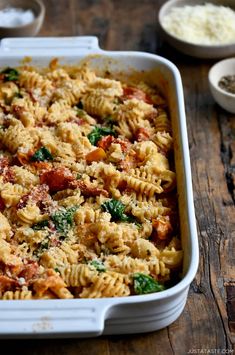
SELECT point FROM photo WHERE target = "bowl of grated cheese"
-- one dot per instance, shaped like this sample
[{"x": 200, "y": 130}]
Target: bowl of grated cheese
[
  {"x": 198, "y": 28},
  {"x": 21, "y": 18}
]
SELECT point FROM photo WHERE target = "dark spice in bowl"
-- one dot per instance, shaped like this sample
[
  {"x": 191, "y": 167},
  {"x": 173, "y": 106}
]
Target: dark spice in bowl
[{"x": 227, "y": 83}]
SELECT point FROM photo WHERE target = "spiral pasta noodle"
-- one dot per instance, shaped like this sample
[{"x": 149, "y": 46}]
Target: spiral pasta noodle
[
  {"x": 32, "y": 80},
  {"x": 16, "y": 295},
  {"x": 12, "y": 193},
  {"x": 110, "y": 284}
]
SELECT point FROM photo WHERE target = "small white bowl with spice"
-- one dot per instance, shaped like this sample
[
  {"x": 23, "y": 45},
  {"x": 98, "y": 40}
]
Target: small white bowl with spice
[
  {"x": 21, "y": 18},
  {"x": 222, "y": 83},
  {"x": 199, "y": 28}
]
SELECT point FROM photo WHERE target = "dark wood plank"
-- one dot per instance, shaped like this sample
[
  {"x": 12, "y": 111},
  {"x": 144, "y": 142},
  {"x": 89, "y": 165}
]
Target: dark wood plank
[
  {"x": 120, "y": 25},
  {"x": 59, "y": 19},
  {"x": 214, "y": 219}
]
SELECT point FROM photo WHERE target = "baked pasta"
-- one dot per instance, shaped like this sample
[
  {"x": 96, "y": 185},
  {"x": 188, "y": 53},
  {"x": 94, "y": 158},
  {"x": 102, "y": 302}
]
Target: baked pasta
[{"x": 88, "y": 204}]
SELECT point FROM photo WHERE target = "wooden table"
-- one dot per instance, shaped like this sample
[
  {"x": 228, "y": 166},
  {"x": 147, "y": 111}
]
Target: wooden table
[{"x": 208, "y": 321}]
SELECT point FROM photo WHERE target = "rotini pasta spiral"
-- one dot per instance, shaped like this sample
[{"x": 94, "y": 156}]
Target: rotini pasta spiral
[
  {"x": 5, "y": 227},
  {"x": 16, "y": 295},
  {"x": 98, "y": 105},
  {"x": 16, "y": 136},
  {"x": 78, "y": 275},
  {"x": 12, "y": 193},
  {"x": 33, "y": 80},
  {"x": 110, "y": 284}
]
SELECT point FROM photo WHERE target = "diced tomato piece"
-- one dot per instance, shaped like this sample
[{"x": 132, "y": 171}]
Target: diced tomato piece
[
  {"x": 29, "y": 270},
  {"x": 5, "y": 170},
  {"x": 15, "y": 161},
  {"x": 37, "y": 195},
  {"x": 90, "y": 190},
  {"x": 57, "y": 179},
  {"x": 162, "y": 227},
  {"x": 105, "y": 142},
  {"x": 61, "y": 178},
  {"x": 122, "y": 186},
  {"x": 8, "y": 175},
  {"x": 131, "y": 92},
  {"x": 4, "y": 162},
  {"x": 96, "y": 155},
  {"x": 50, "y": 280},
  {"x": 7, "y": 283},
  {"x": 125, "y": 144}
]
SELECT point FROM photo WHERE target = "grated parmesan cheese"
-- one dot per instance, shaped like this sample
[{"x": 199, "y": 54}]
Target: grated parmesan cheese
[{"x": 201, "y": 24}]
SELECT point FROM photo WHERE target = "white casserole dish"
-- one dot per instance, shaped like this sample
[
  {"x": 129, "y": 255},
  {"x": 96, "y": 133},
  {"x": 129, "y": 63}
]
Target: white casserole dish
[{"x": 121, "y": 315}]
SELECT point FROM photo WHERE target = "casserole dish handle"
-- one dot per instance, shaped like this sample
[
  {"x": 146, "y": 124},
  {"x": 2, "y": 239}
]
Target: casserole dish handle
[
  {"x": 49, "y": 43},
  {"x": 49, "y": 318}
]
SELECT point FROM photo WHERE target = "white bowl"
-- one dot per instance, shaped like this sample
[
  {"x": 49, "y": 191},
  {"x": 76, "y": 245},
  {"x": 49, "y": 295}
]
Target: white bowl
[
  {"x": 196, "y": 50},
  {"x": 220, "y": 69}
]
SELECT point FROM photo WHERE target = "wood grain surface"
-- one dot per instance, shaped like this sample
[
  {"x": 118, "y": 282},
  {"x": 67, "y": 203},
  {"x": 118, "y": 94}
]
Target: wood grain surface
[{"x": 208, "y": 321}]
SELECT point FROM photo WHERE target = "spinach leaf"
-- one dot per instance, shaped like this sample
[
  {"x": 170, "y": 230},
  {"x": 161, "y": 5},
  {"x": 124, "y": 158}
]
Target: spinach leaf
[
  {"x": 42, "y": 154},
  {"x": 10, "y": 74},
  {"x": 98, "y": 132},
  {"x": 116, "y": 208},
  {"x": 146, "y": 284},
  {"x": 98, "y": 265},
  {"x": 63, "y": 220},
  {"x": 40, "y": 225}
]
